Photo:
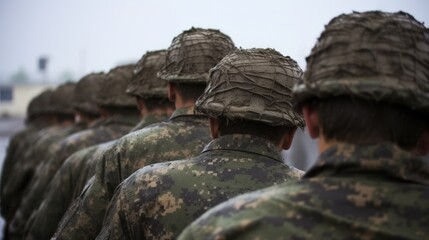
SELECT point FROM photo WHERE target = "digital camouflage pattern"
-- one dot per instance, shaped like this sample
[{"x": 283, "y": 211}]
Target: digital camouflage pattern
[
  {"x": 353, "y": 192},
  {"x": 160, "y": 200},
  {"x": 106, "y": 130},
  {"x": 15, "y": 150},
  {"x": 37, "y": 147},
  {"x": 68, "y": 183},
  {"x": 61, "y": 189},
  {"x": 183, "y": 136}
]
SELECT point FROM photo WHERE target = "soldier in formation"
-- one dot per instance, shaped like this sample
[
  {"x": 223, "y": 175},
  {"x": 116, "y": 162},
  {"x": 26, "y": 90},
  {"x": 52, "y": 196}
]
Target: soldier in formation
[{"x": 365, "y": 95}]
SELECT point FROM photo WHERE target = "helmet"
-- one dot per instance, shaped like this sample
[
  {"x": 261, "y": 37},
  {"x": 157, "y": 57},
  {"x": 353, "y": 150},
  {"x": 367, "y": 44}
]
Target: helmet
[
  {"x": 86, "y": 89},
  {"x": 40, "y": 104},
  {"x": 145, "y": 82},
  {"x": 112, "y": 92},
  {"x": 62, "y": 98},
  {"x": 377, "y": 56},
  {"x": 193, "y": 53},
  {"x": 254, "y": 84}
]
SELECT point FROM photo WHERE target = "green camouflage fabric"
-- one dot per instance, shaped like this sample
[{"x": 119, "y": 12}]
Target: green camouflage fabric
[
  {"x": 17, "y": 144},
  {"x": 160, "y": 200},
  {"x": 352, "y": 192},
  {"x": 60, "y": 192},
  {"x": 106, "y": 130},
  {"x": 26, "y": 164},
  {"x": 150, "y": 119},
  {"x": 68, "y": 183},
  {"x": 183, "y": 136}
]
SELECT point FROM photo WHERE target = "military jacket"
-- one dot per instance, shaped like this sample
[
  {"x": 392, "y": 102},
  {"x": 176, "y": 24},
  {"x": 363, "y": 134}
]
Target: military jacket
[
  {"x": 28, "y": 159},
  {"x": 106, "y": 130},
  {"x": 160, "y": 200},
  {"x": 353, "y": 192},
  {"x": 183, "y": 136},
  {"x": 17, "y": 145},
  {"x": 68, "y": 182}
]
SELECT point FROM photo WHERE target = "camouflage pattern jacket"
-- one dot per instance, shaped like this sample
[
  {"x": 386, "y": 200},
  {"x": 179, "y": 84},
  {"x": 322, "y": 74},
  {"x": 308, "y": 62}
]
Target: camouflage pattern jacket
[
  {"x": 37, "y": 146},
  {"x": 353, "y": 192},
  {"x": 183, "y": 136},
  {"x": 159, "y": 201},
  {"x": 68, "y": 182},
  {"x": 106, "y": 130}
]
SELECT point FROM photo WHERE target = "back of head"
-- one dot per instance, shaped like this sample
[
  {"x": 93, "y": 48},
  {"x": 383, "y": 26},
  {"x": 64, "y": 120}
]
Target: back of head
[
  {"x": 63, "y": 97},
  {"x": 371, "y": 60},
  {"x": 192, "y": 53},
  {"x": 377, "y": 56},
  {"x": 145, "y": 83},
  {"x": 252, "y": 85},
  {"x": 113, "y": 91},
  {"x": 86, "y": 90},
  {"x": 40, "y": 104}
]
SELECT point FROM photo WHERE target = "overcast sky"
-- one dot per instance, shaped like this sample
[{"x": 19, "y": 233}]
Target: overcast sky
[{"x": 81, "y": 36}]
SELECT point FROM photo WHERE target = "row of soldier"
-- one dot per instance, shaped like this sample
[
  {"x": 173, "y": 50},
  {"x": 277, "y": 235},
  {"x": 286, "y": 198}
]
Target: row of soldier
[{"x": 90, "y": 165}]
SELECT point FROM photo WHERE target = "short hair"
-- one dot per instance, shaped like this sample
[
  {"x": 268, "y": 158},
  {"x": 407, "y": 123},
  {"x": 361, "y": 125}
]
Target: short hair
[
  {"x": 189, "y": 91},
  {"x": 153, "y": 103},
  {"x": 260, "y": 129},
  {"x": 358, "y": 121}
]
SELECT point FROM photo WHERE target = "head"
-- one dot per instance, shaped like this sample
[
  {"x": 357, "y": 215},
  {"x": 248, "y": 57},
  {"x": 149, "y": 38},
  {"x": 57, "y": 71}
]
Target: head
[
  {"x": 62, "y": 99},
  {"x": 149, "y": 90},
  {"x": 39, "y": 110},
  {"x": 113, "y": 99},
  {"x": 189, "y": 59},
  {"x": 84, "y": 104},
  {"x": 373, "y": 86},
  {"x": 249, "y": 92}
]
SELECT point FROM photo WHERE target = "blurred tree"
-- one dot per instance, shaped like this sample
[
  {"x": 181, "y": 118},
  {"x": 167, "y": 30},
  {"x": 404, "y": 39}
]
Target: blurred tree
[
  {"x": 66, "y": 76},
  {"x": 19, "y": 76}
]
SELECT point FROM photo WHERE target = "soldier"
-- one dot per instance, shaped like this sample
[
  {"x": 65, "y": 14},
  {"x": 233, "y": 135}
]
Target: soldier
[
  {"x": 365, "y": 94},
  {"x": 248, "y": 100},
  {"x": 189, "y": 58},
  {"x": 119, "y": 115},
  {"x": 58, "y": 114},
  {"x": 151, "y": 95}
]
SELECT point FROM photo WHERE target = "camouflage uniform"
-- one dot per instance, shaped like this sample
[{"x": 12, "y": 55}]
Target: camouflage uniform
[
  {"x": 160, "y": 200},
  {"x": 80, "y": 166},
  {"x": 354, "y": 191},
  {"x": 67, "y": 185},
  {"x": 112, "y": 127},
  {"x": 184, "y": 135},
  {"x": 150, "y": 202},
  {"x": 189, "y": 58},
  {"x": 24, "y": 163}
]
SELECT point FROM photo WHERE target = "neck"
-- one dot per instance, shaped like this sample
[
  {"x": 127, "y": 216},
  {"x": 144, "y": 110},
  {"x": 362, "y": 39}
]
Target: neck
[{"x": 325, "y": 144}]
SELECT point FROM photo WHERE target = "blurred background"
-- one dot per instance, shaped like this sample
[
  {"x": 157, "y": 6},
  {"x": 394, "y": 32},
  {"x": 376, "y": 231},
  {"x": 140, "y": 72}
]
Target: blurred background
[{"x": 46, "y": 42}]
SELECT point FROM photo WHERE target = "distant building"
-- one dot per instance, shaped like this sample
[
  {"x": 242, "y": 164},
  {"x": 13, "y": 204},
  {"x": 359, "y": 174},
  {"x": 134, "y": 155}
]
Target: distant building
[{"x": 14, "y": 98}]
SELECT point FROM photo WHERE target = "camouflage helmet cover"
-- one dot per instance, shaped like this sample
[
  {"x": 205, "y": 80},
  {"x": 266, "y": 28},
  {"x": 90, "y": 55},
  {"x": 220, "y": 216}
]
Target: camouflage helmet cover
[
  {"x": 254, "y": 84},
  {"x": 63, "y": 96},
  {"x": 40, "y": 104},
  {"x": 145, "y": 82},
  {"x": 112, "y": 92},
  {"x": 86, "y": 90},
  {"x": 193, "y": 53},
  {"x": 378, "y": 56}
]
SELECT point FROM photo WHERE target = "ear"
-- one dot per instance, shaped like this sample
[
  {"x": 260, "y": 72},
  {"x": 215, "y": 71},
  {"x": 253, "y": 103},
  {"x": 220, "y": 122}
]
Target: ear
[
  {"x": 423, "y": 143},
  {"x": 214, "y": 128},
  {"x": 172, "y": 92},
  {"x": 311, "y": 118},
  {"x": 286, "y": 140}
]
